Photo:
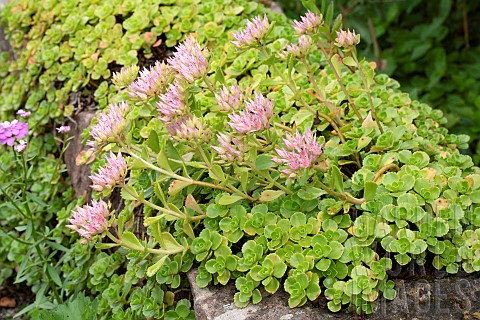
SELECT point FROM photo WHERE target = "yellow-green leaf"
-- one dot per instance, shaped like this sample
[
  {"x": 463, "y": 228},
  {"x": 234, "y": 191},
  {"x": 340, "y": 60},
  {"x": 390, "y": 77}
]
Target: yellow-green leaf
[{"x": 270, "y": 195}]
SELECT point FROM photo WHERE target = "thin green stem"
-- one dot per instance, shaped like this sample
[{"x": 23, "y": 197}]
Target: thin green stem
[
  {"x": 367, "y": 89},
  {"x": 269, "y": 178},
  {"x": 188, "y": 180},
  {"x": 149, "y": 250},
  {"x": 342, "y": 86},
  {"x": 152, "y": 205},
  {"x": 345, "y": 196}
]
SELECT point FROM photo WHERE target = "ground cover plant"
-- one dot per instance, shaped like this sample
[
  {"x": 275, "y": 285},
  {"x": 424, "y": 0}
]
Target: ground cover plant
[
  {"x": 273, "y": 158},
  {"x": 311, "y": 173}
]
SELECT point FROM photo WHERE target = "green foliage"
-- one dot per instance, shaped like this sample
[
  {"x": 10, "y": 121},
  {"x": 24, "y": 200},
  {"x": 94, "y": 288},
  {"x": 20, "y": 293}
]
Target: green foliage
[
  {"x": 390, "y": 184},
  {"x": 431, "y": 49}
]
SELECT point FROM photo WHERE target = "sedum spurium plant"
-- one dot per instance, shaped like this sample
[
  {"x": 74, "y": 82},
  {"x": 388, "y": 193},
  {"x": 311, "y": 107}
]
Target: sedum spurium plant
[{"x": 311, "y": 173}]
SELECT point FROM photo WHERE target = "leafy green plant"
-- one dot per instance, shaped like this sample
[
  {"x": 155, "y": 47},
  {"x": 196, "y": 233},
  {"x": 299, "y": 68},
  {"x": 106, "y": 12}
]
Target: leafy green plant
[{"x": 319, "y": 163}]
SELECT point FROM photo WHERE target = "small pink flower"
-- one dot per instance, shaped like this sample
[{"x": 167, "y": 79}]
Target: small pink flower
[
  {"x": 111, "y": 174},
  {"x": 63, "y": 129},
  {"x": 151, "y": 82},
  {"x": 255, "y": 30},
  {"x": 301, "y": 151},
  {"x": 24, "y": 114},
  {"x": 22, "y": 144},
  {"x": 305, "y": 44},
  {"x": 230, "y": 97},
  {"x": 347, "y": 39},
  {"x": 90, "y": 220},
  {"x": 226, "y": 150},
  {"x": 187, "y": 129},
  {"x": 172, "y": 103},
  {"x": 110, "y": 125},
  {"x": 189, "y": 60},
  {"x": 308, "y": 23},
  {"x": 255, "y": 118}
]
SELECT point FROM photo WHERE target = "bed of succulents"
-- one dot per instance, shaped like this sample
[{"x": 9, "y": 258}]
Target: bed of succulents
[{"x": 261, "y": 151}]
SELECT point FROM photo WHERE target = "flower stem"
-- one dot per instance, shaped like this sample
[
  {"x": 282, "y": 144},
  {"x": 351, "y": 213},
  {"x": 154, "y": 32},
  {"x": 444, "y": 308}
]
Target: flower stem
[
  {"x": 149, "y": 250},
  {"x": 152, "y": 205},
  {"x": 342, "y": 86},
  {"x": 345, "y": 196},
  {"x": 367, "y": 89}
]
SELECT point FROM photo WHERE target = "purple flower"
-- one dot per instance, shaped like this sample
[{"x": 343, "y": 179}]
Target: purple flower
[
  {"x": 172, "y": 103},
  {"x": 63, "y": 129},
  {"x": 226, "y": 150},
  {"x": 255, "y": 118},
  {"x": 189, "y": 61},
  {"x": 110, "y": 125},
  {"x": 9, "y": 131},
  {"x": 305, "y": 44},
  {"x": 347, "y": 39},
  {"x": 22, "y": 144},
  {"x": 90, "y": 220},
  {"x": 24, "y": 114},
  {"x": 309, "y": 23},
  {"x": 230, "y": 97},
  {"x": 112, "y": 173},
  {"x": 151, "y": 82},
  {"x": 301, "y": 151},
  {"x": 255, "y": 30},
  {"x": 187, "y": 129}
]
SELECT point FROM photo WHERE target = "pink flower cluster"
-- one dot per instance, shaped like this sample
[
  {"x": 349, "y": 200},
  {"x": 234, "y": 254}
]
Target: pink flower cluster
[
  {"x": 188, "y": 129},
  {"x": 255, "y": 118},
  {"x": 347, "y": 39},
  {"x": 90, "y": 220},
  {"x": 301, "y": 151},
  {"x": 305, "y": 44},
  {"x": 151, "y": 81},
  {"x": 63, "y": 129},
  {"x": 112, "y": 173},
  {"x": 24, "y": 114},
  {"x": 172, "y": 103},
  {"x": 9, "y": 131},
  {"x": 22, "y": 144},
  {"x": 228, "y": 151},
  {"x": 189, "y": 60},
  {"x": 308, "y": 23},
  {"x": 230, "y": 97},
  {"x": 255, "y": 30},
  {"x": 110, "y": 125}
]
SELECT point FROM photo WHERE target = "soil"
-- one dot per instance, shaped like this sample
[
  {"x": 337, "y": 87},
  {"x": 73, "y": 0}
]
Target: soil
[{"x": 13, "y": 298}]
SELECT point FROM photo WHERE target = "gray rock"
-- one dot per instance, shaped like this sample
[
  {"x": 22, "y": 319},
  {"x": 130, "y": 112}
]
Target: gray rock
[
  {"x": 441, "y": 299},
  {"x": 79, "y": 174}
]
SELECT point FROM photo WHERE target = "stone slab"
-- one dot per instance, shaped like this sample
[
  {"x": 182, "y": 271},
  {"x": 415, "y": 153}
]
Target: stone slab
[{"x": 448, "y": 298}]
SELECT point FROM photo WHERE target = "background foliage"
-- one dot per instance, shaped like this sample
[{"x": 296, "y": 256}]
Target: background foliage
[{"x": 430, "y": 47}]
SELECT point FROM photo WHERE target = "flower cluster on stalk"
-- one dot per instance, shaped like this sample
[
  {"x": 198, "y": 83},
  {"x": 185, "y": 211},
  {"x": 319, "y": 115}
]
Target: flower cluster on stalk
[
  {"x": 230, "y": 97},
  {"x": 308, "y": 24},
  {"x": 172, "y": 103},
  {"x": 110, "y": 126},
  {"x": 256, "y": 30},
  {"x": 189, "y": 128},
  {"x": 230, "y": 148},
  {"x": 111, "y": 174},
  {"x": 305, "y": 44},
  {"x": 347, "y": 39},
  {"x": 189, "y": 61},
  {"x": 301, "y": 151},
  {"x": 126, "y": 76},
  {"x": 151, "y": 82},
  {"x": 256, "y": 117},
  {"x": 90, "y": 220}
]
